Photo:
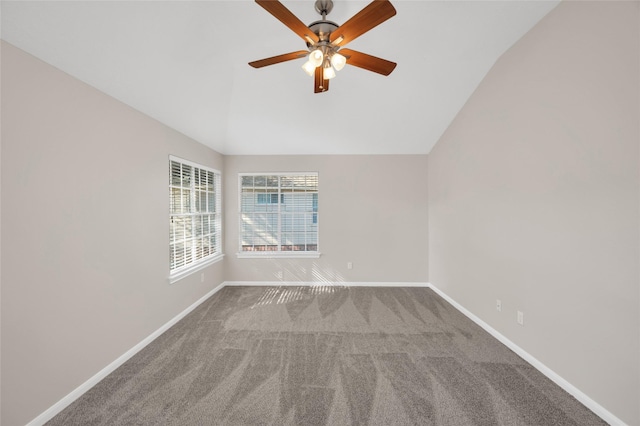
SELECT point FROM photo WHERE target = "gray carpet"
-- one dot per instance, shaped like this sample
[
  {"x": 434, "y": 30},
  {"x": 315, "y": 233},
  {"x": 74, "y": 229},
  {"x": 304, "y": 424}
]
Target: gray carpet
[{"x": 326, "y": 355}]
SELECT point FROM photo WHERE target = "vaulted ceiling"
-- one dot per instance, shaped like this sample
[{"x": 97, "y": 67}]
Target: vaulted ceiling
[{"x": 184, "y": 63}]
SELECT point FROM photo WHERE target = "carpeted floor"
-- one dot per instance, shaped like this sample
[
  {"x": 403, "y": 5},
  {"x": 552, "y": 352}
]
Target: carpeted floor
[{"x": 326, "y": 355}]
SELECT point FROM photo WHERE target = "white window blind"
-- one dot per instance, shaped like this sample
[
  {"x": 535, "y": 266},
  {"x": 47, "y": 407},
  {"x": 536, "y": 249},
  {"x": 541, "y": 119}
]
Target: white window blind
[
  {"x": 195, "y": 214},
  {"x": 278, "y": 213}
]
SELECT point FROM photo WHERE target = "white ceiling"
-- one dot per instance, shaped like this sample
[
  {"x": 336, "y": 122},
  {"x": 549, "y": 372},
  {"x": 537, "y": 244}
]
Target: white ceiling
[{"x": 184, "y": 63}]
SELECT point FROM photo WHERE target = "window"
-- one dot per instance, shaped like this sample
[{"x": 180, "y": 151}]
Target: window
[
  {"x": 195, "y": 219},
  {"x": 279, "y": 214},
  {"x": 270, "y": 198},
  {"x": 315, "y": 208}
]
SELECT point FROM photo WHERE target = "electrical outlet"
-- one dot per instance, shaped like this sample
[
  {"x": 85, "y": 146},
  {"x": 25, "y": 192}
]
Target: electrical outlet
[
  {"x": 349, "y": 265},
  {"x": 279, "y": 275},
  {"x": 498, "y": 305},
  {"x": 520, "y": 318}
]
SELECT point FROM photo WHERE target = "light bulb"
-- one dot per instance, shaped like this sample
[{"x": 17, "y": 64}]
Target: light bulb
[
  {"x": 316, "y": 57},
  {"x": 309, "y": 68},
  {"x": 338, "y": 61},
  {"x": 328, "y": 73}
]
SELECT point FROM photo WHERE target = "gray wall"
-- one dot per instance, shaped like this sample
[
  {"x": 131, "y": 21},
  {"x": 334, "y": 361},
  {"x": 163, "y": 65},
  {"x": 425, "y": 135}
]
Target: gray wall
[
  {"x": 372, "y": 212},
  {"x": 534, "y": 199},
  {"x": 85, "y": 238}
]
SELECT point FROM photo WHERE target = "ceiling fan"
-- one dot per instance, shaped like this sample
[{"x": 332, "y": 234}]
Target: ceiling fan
[{"x": 325, "y": 40}]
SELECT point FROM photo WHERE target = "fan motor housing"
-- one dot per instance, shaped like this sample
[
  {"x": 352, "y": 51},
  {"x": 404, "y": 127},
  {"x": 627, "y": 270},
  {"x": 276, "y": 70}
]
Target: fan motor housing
[{"x": 323, "y": 29}]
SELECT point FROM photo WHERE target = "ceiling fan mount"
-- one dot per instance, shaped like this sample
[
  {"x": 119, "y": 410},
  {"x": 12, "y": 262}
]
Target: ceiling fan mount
[
  {"x": 325, "y": 39},
  {"x": 324, "y": 7}
]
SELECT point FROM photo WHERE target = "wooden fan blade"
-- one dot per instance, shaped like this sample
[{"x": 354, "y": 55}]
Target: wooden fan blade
[
  {"x": 371, "y": 16},
  {"x": 280, "y": 58},
  {"x": 285, "y": 16},
  {"x": 320, "y": 84},
  {"x": 368, "y": 62}
]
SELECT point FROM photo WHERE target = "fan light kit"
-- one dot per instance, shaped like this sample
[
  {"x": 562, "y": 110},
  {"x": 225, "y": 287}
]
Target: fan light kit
[{"x": 325, "y": 40}]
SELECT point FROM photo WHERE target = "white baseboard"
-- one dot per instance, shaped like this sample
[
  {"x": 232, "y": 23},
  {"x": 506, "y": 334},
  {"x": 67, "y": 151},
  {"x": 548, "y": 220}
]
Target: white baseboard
[
  {"x": 599, "y": 410},
  {"x": 324, "y": 283},
  {"x": 80, "y": 390}
]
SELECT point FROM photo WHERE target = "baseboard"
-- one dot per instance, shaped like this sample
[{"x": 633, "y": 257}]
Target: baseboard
[
  {"x": 599, "y": 410},
  {"x": 324, "y": 283},
  {"x": 80, "y": 390}
]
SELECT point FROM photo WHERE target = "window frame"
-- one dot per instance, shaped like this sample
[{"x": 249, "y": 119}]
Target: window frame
[
  {"x": 195, "y": 265},
  {"x": 278, "y": 254}
]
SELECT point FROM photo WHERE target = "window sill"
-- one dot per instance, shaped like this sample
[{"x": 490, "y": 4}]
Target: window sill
[
  {"x": 182, "y": 273},
  {"x": 278, "y": 255}
]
